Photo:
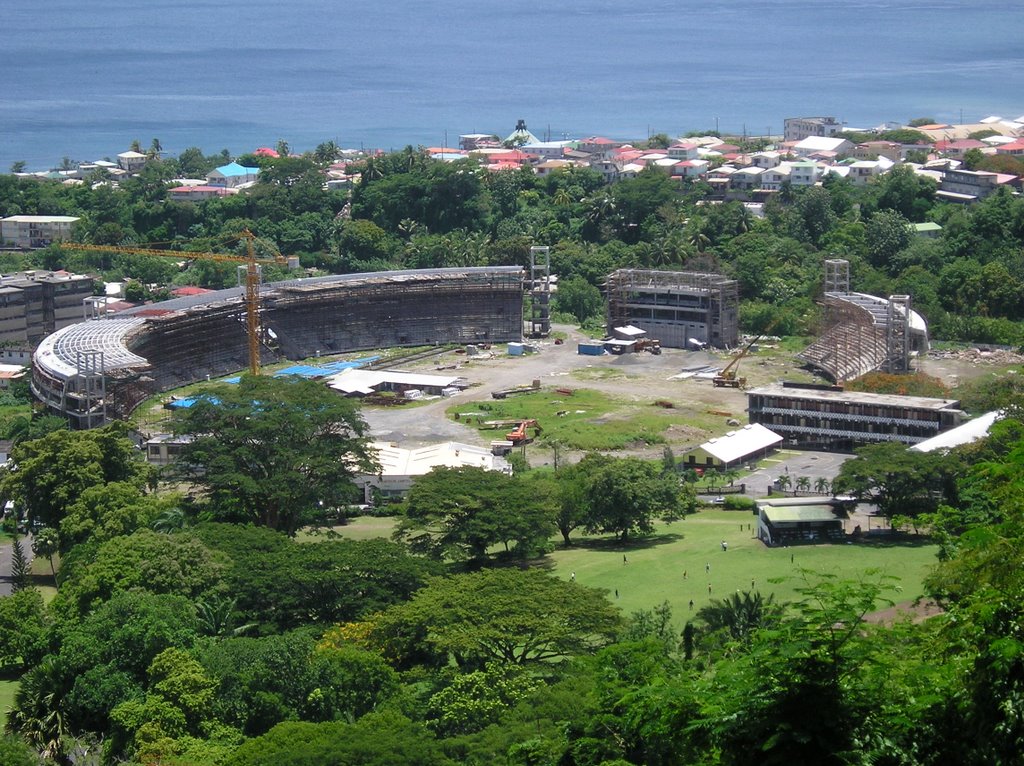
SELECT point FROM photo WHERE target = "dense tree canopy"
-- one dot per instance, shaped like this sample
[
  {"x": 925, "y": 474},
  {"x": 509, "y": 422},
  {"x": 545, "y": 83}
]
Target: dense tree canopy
[{"x": 274, "y": 452}]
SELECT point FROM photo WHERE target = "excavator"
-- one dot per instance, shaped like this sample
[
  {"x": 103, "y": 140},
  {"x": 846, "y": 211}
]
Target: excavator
[{"x": 518, "y": 435}]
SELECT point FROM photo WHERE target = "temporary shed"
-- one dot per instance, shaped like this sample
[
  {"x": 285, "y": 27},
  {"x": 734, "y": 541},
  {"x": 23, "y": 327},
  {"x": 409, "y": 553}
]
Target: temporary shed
[
  {"x": 736, "y": 447},
  {"x": 365, "y": 382},
  {"x": 400, "y": 467}
]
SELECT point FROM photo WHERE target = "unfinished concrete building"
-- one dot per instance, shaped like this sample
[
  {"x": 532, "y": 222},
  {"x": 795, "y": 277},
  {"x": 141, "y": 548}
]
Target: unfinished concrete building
[
  {"x": 682, "y": 309},
  {"x": 103, "y": 368},
  {"x": 863, "y": 333}
]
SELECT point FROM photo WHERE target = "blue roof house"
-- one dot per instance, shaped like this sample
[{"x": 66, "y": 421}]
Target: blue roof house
[{"x": 231, "y": 175}]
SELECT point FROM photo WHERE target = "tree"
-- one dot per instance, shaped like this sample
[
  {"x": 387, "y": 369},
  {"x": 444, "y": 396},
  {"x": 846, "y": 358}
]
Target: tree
[
  {"x": 21, "y": 570},
  {"x": 887, "y": 233},
  {"x": 739, "y": 615},
  {"x": 23, "y": 624},
  {"x": 37, "y": 715},
  {"x": 48, "y": 475},
  {"x": 822, "y": 485},
  {"x": 46, "y": 542},
  {"x": 898, "y": 480},
  {"x": 507, "y": 615},
  {"x": 145, "y": 561},
  {"x": 578, "y": 297},
  {"x": 274, "y": 452},
  {"x": 110, "y": 510},
  {"x": 18, "y": 166},
  {"x": 379, "y": 739},
  {"x": 471, "y": 701},
  {"x": 461, "y": 512},
  {"x": 803, "y": 484},
  {"x": 624, "y": 495}
]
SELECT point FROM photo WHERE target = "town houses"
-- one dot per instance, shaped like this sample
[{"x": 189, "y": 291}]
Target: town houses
[{"x": 744, "y": 168}]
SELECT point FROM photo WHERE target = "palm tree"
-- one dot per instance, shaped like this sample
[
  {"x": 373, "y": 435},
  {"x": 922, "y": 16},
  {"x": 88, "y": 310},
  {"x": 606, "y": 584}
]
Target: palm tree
[
  {"x": 36, "y": 714},
  {"x": 784, "y": 482},
  {"x": 135, "y": 146},
  {"x": 822, "y": 486},
  {"x": 562, "y": 197},
  {"x": 803, "y": 484},
  {"x": 171, "y": 520},
  {"x": 739, "y": 615},
  {"x": 215, "y": 617},
  {"x": 696, "y": 234},
  {"x": 155, "y": 149},
  {"x": 283, "y": 149}
]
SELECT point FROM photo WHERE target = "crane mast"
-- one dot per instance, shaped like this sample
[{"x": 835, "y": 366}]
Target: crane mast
[{"x": 252, "y": 278}]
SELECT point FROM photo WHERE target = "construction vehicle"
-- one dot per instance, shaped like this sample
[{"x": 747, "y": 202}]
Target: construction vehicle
[
  {"x": 518, "y": 436},
  {"x": 727, "y": 377},
  {"x": 252, "y": 277},
  {"x": 650, "y": 345}
]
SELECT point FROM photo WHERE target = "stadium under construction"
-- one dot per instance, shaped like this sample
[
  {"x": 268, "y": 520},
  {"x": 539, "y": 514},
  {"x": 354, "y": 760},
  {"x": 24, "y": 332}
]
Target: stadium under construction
[{"x": 101, "y": 369}]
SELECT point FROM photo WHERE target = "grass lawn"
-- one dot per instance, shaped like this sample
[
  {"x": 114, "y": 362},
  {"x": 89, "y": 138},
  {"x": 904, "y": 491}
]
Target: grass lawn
[
  {"x": 7, "y": 691},
  {"x": 589, "y": 420},
  {"x": 360, "y": 528},
  {"x": 654, "y": 572}
]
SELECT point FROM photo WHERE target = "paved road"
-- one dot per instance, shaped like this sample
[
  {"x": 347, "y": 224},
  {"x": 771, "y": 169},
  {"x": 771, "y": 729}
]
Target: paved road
[{"x": 5, "y": 562}]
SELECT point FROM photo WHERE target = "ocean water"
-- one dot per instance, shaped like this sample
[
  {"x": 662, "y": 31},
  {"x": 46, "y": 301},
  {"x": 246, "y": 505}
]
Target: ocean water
[{"x": 82, "y": 79}]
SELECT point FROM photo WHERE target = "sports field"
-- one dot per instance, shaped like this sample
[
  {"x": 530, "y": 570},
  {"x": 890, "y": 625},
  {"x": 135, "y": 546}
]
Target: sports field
[
  {"x": 654, "y": 568},
  {"x": 682, "y": 559}
]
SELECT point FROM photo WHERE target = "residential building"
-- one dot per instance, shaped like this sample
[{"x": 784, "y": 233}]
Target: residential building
[
  {"x": 34, "y": 304},
  {"x": 871, "y": 150},
  {"x": 471, "y": 141},
  {"x": 683, "y": 151},
  {"x": 197, "y": 193},
  {"x": 747, "y": 178},
  {"x": 825, "y": 417},
  {"x": 773, "y": 178},
  {"x": 837, "y": 147},
  {"x": 131, "y": 162},
  {"x": 765, "y": 160},
  {"x": 1014, "y": 149},
  {"x": 232, "y": 175},
  {"x": 547, "y": 150},
  {"x": 863, "y": 171},
  {"x": 799, "y": 128},
  {"x": 967, "y": 185},
  {"x": 34, "y": 231}
]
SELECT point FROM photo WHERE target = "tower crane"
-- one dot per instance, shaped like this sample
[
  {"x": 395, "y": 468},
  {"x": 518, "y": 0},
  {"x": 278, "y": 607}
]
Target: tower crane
[{"x": 252, "y": 278}]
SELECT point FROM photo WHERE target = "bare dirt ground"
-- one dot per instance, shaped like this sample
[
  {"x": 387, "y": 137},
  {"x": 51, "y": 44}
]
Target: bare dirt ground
[{"x": 630, "y": 378}]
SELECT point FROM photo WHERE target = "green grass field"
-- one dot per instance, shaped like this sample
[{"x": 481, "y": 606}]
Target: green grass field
[
  {"x": 7, "y": 691},
  {"x": 655, "y": 565},
  {"x": 589, "y": 420}
]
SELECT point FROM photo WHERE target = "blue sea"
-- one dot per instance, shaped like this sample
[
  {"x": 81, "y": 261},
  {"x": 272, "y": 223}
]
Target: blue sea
[{"x": 83, "y": 79}]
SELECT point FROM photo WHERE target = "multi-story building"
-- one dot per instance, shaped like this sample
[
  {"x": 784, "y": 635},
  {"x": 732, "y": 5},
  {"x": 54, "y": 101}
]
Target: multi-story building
[
  {"x": 824, "y": 417},
  {"x": 34, "y": 231},
  {"x": 681, "y": 309},
  {"x": 799, "y": 128},
  {"x": 34, "y": 304}
]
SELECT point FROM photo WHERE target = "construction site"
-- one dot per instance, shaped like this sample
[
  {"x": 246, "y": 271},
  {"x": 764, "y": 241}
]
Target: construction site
[
  {"x": 682, "y": 309},
  {"x": 97, "y": 370}
]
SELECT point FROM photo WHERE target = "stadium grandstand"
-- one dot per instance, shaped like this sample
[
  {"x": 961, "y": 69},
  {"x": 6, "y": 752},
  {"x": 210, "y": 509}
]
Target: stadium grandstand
[
  {"x": 100, "y": 369},
  {"x": 863, "y": 333}
]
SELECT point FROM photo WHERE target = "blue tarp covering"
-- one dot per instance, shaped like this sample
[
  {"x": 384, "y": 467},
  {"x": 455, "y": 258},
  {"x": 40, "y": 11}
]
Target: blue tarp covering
[
  {"x": 323, "y": 370},
  {"x": 191, "y": 401}
]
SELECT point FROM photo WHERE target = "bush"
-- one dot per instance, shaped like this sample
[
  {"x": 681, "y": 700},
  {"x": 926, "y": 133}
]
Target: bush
[{"x": 739, "y": 503}]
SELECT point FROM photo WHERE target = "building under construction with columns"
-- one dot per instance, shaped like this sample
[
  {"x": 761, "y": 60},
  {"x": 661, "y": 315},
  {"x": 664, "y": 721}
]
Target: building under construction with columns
[
  {"x": 102, "y": 369},
  {"x": 682, "y": 309},
  {"x": 863, "y": 333}
]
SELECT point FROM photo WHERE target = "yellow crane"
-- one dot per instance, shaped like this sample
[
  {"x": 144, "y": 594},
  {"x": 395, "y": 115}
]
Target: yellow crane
[
  {"x": 727, "y": 378},
  {"x": 252, "y": 278}
]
